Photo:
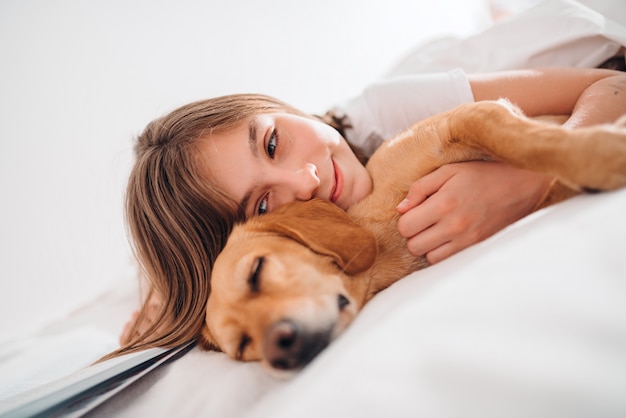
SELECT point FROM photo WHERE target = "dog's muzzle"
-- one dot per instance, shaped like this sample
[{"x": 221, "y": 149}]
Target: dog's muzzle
[{"x": 289, "y": 346}]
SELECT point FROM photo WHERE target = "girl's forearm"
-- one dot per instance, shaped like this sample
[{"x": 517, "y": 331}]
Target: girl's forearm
[
  {"x": 548, "y": 91},
  {"x": 602, "y": 102}
]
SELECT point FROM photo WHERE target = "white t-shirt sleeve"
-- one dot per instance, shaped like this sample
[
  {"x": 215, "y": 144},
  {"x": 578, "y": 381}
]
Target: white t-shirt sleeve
[{"x": 390, "y": 106}]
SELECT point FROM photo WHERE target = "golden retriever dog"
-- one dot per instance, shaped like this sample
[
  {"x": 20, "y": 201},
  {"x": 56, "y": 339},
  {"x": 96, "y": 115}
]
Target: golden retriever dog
[{"x": 288, "y": 283}]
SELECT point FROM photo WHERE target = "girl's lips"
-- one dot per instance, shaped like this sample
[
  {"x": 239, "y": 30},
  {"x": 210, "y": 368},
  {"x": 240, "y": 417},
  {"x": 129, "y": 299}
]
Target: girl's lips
[{"x": 336, "y": 193}]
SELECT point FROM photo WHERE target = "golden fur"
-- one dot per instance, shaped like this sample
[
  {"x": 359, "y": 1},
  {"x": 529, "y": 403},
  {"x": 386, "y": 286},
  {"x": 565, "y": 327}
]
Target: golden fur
[{"x": 287, "y": 283}]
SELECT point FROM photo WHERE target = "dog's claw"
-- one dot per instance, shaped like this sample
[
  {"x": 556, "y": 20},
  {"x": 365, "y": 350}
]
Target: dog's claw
[{"x": 591, "y": 190}]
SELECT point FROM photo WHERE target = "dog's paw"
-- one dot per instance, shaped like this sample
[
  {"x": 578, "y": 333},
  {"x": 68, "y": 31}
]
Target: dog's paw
[{"x": 599, "y": 162}]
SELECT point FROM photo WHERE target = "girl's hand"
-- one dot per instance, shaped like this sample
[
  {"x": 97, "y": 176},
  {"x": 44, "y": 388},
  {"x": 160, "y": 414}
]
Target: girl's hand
[{"x": 461, "y": 204}]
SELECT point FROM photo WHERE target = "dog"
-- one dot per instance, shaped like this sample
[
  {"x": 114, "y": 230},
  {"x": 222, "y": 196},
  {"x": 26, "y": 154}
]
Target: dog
[{"x": 288, "y": 283}]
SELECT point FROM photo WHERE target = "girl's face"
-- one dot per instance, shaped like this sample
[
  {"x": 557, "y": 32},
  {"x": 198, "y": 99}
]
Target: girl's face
[{"x": 276, "y": 158}]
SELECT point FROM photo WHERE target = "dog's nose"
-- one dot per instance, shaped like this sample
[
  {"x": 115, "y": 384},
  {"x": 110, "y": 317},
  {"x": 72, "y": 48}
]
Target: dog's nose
[{"x": 286, "y": 347}]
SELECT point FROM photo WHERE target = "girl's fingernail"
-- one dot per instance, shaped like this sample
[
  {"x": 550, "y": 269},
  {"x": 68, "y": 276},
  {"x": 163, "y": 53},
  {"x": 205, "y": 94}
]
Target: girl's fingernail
[{"x": 402, "y": 204}]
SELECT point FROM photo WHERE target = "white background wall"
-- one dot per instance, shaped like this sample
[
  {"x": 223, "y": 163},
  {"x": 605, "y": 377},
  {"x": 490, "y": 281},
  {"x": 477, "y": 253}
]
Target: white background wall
[{"x": 79, "y": 79}]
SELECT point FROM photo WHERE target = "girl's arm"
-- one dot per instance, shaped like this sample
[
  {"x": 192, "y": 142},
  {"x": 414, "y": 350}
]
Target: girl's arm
[
  {"x": 591, "y": 96},
  {"x": 462, "y": 204}
]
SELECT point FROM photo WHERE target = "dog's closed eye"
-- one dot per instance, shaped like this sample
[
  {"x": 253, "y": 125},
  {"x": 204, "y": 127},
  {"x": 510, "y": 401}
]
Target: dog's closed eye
[
  {"x": 255, "y": 275},
  {"x": 245, "y": 341}
]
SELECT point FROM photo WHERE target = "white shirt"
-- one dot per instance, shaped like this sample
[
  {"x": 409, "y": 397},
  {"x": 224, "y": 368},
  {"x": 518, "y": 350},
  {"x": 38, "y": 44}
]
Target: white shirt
[{"x": 388, "y": 107}]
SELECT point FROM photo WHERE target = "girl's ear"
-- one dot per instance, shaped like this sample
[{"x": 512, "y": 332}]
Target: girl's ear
[{"x": 326, "y": 229}]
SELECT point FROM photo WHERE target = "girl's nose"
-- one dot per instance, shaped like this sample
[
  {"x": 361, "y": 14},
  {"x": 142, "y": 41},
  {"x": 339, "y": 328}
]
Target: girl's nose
[{"x": 306, "y": 182}]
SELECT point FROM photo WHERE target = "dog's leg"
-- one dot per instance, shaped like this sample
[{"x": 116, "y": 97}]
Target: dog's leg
[{"x": 585, "y": 159}]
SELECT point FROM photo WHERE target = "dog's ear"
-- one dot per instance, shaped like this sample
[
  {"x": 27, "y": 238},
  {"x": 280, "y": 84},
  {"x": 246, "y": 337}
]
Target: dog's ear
[
  {"x": 326, "y": 229},
  {"x": 206, "y": 340}
]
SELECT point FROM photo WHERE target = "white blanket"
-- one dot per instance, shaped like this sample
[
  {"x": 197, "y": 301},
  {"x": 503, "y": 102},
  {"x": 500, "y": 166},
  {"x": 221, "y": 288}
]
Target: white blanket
[{"x": 530, "y": 323}]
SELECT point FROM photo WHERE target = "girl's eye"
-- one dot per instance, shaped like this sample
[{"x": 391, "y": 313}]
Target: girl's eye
[
  {"x": 262, "y": 207},
  {"x": 272, "y": 143}
]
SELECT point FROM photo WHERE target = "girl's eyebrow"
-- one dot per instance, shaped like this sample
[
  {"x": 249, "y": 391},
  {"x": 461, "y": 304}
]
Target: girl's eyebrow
[
  {"x": 246, "y": 199},
  {"x": 252, "y": 137},
  {"x": 252, "y": 144}
]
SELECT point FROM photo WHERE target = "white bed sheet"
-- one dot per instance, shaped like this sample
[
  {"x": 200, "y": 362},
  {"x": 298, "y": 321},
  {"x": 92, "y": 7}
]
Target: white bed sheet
[{"x": 530, "y": 323}]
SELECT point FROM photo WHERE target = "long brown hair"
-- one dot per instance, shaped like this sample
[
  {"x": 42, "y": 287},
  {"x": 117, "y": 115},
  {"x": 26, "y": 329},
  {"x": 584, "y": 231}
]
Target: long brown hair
[{"x": 178, "y": 220}]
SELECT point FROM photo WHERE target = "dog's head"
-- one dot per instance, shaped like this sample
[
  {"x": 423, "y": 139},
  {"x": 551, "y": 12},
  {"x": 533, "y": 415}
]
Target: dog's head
[{"x": 281, "y": 288}]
